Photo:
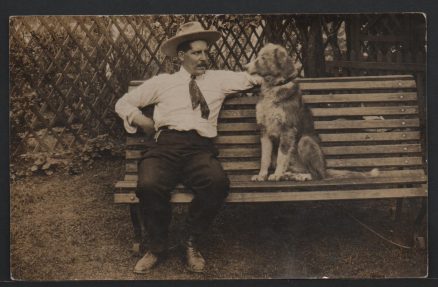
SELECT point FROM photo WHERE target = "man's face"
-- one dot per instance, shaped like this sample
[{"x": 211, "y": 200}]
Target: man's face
[{"x": 195, "y": 60}]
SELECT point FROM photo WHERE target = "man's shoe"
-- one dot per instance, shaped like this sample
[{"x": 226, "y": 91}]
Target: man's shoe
[
  {"x": 195, "y": 261},
  {"x": 146, "y": 263}
]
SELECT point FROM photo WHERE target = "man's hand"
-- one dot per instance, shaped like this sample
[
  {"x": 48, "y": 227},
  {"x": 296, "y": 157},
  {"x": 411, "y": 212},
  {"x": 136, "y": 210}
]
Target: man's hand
[{"x": 145, "y": 123}]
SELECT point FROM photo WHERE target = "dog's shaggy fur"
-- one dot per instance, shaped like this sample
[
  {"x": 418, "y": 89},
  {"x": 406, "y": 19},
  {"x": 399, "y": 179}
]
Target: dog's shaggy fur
[{"x": 286, "y": 123}]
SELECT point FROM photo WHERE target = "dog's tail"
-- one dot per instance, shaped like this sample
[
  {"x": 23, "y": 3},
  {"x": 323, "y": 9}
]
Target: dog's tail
[
  {"x": 311, "y": 155},
  {"x": 343, "y": 173}
]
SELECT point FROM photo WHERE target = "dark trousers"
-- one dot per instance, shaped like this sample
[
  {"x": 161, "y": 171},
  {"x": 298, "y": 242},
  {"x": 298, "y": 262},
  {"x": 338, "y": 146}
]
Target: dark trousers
[{"x": 180, "y": 157}]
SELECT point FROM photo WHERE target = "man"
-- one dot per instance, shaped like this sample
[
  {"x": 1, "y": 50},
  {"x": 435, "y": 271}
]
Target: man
[{"x": 187, "y": 105}]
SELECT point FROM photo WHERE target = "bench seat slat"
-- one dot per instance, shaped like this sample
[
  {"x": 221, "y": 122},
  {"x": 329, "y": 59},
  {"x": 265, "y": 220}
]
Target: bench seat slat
[
  {"x": 266, "y": 185},
  {"x": 412, "y": 173},
  {"x": 288, "y": 185},
  {"x": 295, "y": 196}
]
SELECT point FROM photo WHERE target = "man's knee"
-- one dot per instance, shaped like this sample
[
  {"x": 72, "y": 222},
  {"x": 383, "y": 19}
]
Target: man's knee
[
  {"x": 147, "y": 184},
  {"x": 219, "y": 186}
]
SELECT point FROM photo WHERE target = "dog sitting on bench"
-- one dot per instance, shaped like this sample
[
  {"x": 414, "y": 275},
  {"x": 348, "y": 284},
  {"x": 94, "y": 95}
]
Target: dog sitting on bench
[{"x": 286, "y": 124}]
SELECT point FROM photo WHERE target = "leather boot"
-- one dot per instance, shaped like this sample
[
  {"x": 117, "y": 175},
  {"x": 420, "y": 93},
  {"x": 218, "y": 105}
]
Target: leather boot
[
  {"x": 195, "y": 261},
  {"x": 146, "y": 263}
]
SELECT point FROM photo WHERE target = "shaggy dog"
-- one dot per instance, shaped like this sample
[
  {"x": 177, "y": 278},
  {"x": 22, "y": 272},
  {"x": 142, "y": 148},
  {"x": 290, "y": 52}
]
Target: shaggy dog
[{"x": 286, "y": 123}]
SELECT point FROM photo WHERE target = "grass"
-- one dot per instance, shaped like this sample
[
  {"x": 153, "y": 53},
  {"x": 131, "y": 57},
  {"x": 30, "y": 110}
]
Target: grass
[{"x": 66, "y": 227}]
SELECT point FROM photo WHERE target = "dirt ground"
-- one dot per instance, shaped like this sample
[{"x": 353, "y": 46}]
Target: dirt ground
[{"x": 66, "y": 227}]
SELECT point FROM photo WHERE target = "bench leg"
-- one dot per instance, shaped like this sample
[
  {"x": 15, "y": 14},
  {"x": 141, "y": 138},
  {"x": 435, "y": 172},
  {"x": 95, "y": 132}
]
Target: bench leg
[
  {"x": 419, "y": 241},
  {"x": 135, "y": 211}
]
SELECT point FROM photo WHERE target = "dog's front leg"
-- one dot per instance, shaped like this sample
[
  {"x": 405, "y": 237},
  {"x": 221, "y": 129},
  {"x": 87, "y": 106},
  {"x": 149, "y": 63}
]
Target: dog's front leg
[
  {"x": 285, "y": 149},
  {"x": 266, "y": 146}
]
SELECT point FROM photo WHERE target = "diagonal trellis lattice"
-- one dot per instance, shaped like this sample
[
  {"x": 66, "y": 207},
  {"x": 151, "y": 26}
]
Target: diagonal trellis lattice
[{"x": 68, "y": 72}]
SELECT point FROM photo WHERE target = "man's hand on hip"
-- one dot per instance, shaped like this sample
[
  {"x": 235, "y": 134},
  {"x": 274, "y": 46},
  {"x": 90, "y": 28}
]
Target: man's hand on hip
[{"x": 145, "y": 123}]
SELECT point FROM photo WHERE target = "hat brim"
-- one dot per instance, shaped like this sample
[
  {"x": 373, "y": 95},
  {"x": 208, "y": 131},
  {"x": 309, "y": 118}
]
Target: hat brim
[{"x": 169, "y": 46}]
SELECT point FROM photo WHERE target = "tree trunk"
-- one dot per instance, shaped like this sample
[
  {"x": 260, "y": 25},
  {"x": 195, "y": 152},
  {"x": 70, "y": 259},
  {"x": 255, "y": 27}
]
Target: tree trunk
[
  {"x": 315, "y": 60},
  {"x": 274, "y": 30},
  {"x": 310, "y": 28}
]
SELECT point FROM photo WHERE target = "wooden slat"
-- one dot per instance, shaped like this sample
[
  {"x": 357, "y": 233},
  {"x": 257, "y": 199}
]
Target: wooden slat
[
  {"x": 242, "y": 100},
  {"x": 366, "y": 124},
  {"x": 232, "y": 114},
  {"x": 365, "y": 97},
  {"x": 326, "y": 112},
  {"x": 374, "y": 162},
  {"x": 411, "y": 173},
  {"x": 131, "y": 167},
  {"x": 287, "y": 185},
  {"x": 358, "y": 84},
  {"x": 356, "y": 78},
  {"x": 337, "y": 163},
  {"x": 362, "y": 65},
  {"x": 364, "y": 111},
  {"x": 385, "y": 136},
  {"x": 295, "y": 196},
  {"x": 335, "y": 98},
  {"x": 331, "y": 125},
  {"x": 329, "y": 150},
  {"x": 329, "y": 79},
  {"x": 236, "y": 127},
  {"x": 372, "y": 149},
  {"x": 336, "y": 137}
]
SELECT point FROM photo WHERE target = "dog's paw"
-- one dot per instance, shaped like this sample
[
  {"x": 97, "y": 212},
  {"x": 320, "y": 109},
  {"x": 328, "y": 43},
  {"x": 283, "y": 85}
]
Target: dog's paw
[
  {"x": 302, "y": 176},
  {"x": 297, "y": 176},
  {"x": 275, "y": 177},
  {"x": 259, "y": 177}
]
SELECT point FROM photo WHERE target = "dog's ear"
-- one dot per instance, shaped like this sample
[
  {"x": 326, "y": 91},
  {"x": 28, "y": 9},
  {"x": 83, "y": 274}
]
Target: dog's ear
[{"x": 284, "y": 61}]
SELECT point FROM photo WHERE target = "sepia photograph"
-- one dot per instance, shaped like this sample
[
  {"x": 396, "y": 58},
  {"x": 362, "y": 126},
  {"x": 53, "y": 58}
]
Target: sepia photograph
[{"x": 218, "y": 146}]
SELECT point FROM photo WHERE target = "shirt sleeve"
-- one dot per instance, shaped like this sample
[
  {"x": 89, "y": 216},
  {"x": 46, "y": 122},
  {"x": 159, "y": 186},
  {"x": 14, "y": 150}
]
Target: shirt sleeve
[
  {"x": 233, "y": 82},
  {"x": 128, "y": 106}
]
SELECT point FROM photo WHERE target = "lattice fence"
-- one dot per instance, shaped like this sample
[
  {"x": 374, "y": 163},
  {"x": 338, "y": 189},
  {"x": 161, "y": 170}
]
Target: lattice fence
[{"x": 68, "y": 72}]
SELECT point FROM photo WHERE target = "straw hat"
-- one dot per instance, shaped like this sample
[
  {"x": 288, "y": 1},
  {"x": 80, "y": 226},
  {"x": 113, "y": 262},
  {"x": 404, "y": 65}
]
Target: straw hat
[{"x": 188, "y": 31}]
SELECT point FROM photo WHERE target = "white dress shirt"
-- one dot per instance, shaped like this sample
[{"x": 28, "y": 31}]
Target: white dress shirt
[{"x": 173, "y": 108}]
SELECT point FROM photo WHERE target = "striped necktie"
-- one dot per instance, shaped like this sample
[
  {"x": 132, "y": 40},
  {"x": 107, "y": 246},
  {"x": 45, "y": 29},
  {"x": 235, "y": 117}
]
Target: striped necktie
[{"x": 197, "y": 98}]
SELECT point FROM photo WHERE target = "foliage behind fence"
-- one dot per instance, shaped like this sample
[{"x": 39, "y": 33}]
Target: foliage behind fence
[{"x": 66, "y": 73}]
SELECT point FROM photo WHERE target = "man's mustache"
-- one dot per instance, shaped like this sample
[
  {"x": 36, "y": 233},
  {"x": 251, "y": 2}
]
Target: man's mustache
[{"x": 203, "y": 65}]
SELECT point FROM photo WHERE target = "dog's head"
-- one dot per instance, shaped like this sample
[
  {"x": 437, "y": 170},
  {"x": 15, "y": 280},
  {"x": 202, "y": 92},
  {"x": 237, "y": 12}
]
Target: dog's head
[{"x": 273, "y": 64}]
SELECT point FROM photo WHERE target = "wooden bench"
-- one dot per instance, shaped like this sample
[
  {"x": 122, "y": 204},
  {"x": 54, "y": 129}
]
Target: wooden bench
[{"x": 363, "y": 123}]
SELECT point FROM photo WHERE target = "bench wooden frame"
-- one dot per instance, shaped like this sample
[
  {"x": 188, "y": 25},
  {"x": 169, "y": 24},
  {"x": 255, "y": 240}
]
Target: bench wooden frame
[{"x": 363, "y": 122}]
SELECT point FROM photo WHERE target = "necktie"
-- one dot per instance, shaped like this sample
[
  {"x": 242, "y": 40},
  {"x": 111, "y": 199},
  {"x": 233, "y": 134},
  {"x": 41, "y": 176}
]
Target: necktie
[{"x": 197, "y": 98}]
